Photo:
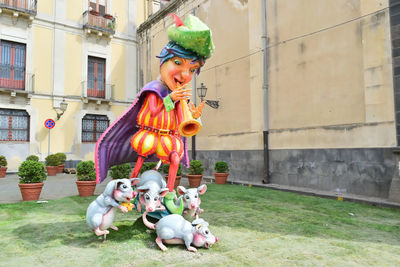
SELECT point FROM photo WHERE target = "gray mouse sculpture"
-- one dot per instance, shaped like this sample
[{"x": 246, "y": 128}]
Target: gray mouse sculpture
[
  {"x": 191, "y": 201},
  {"x": 151, "y": 188},
  {"x": 174, "y": 229},
  {"x": 101, "y": 212}
]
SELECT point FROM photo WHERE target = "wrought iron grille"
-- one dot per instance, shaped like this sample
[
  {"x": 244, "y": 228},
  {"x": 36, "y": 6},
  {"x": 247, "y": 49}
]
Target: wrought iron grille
[
  {"x": 93, "y": 126},
  {"x": 14, "y": 125}
]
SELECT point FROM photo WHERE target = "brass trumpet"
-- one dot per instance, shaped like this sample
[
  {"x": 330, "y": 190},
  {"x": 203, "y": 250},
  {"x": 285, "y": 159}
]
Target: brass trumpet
[{"x": 189, "y": 126}]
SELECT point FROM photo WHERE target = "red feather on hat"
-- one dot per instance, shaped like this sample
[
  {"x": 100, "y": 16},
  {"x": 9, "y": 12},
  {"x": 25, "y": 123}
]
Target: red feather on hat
[{"x": 177, "y": 20}]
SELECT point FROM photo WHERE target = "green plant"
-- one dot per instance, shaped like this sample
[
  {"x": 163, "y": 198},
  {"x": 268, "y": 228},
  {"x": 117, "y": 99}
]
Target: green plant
[
  {"x": 85, "y": 171},
  {"x": 196, "y": 167},
  {"x": 165, "y": 169},
  {"x": 121, "y": 171},
  {"x": 61, "y": 157},
  {"x": 32, "y": 158},
  {"x": 3, "y": 161},
  {"x": 147, "y": 166},
  {"x": 221, "y": 167},
  {"x": 52, "y": 160},
  {"x": 31, "y": 172},
  {"x": 111, "y": 25}
]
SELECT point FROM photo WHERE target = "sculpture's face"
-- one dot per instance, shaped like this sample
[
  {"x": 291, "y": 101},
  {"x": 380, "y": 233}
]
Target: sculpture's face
[{"x": 177, "y": 72}]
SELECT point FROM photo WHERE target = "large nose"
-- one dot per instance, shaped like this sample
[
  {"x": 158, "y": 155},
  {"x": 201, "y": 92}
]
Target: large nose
[
  {"x": 186, "y": 75},
  {"x": 192, "y": 205}
]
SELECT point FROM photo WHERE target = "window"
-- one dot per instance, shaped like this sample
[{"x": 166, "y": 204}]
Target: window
[
  {"x": 96, "y": 77},
  {"x": 14, "y": 125},
  {"x": 98, "y": 6},
  {"x": 93, "y": 126},
  {"x": 12, "y": 65}
]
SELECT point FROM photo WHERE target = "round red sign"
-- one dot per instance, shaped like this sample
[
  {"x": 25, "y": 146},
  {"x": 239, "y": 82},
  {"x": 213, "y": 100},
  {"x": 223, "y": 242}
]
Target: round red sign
[{"x": 49, "y": 124}]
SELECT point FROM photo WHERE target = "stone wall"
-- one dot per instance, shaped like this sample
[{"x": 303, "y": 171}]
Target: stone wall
[{"x": 360, "y": 171}]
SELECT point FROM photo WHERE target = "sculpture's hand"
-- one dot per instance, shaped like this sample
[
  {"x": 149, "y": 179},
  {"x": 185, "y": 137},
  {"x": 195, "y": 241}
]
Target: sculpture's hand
[
  {"x": 180, "y": 94},
  {"x": 123, "y": 208},
  {"x": 196, "y": 111}
]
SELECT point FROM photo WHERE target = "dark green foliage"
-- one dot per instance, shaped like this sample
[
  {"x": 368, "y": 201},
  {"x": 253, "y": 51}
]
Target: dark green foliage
[
  {"x": 33, "y": 158},
  {"x": 85, "y": 171},
  {"x": 121, "y": 171},
  {"x": 61, "y": 157},
  {"x": 147, "y": 166},
  {"x": 52, "y": 160},
  {"x": 165, "y": 169},
  {"x": 196, "y": 167},
  {"x": 221, "y": 167},
  {"x": 3, "y": 161},
  {"x": 31, "y": 172}
]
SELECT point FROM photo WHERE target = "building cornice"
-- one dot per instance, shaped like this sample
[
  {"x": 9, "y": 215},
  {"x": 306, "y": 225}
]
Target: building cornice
[{"x": 156, "y": 17}]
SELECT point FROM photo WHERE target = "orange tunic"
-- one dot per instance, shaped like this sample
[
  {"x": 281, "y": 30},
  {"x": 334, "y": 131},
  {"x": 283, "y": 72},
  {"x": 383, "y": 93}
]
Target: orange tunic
[{"x": 149, "y": 139}]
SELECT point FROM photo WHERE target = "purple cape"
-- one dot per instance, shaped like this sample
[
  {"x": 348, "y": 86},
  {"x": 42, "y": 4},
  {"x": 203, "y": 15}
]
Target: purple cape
[{"x": 114, "y": 145}]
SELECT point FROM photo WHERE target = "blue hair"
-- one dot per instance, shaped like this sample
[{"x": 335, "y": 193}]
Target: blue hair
[{"x": 172, "y": 49}]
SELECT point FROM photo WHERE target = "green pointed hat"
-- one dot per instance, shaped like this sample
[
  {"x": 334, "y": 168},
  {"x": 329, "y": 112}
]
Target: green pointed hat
[{"x": 192, "y": 35}]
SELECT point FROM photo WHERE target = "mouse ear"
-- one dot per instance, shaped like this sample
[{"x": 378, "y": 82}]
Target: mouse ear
[
  {"x": 111, "y": 186},
  {"x": 143, "y": 189},
  {"x": 202, "y": 189},
  {"x": 163, "y": 192},
  {"x": 134, "y": 181},
  {"x": 181, "y": 190},
  {"x": 197, "y": 222}
]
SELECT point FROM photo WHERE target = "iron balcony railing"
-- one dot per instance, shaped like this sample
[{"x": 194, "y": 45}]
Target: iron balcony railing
[
  {"x": 104, "y": 24},
  {"x": 24, "y": 6},
  {"x": 93, "y": 89}
]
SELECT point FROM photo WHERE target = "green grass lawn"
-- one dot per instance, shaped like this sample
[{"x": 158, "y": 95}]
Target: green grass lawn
[{"x": 256, "y": 227}]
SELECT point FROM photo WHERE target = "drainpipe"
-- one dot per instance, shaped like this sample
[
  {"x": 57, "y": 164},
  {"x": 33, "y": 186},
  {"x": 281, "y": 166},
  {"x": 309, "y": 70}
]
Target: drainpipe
[
  {"x": 265, "y": 89},
  {"x": 194, "y": 11}
]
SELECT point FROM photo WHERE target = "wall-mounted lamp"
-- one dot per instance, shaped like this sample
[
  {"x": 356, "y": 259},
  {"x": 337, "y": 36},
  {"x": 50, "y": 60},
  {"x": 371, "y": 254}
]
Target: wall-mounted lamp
[
  {"x": 62, "y": 108},
  {"x": 202, "y": 91}
]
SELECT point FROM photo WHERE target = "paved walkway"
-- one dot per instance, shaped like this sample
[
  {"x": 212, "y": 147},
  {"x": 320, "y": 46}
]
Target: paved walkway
[
  {"x": 55, "y": 187},
  {"x": 63, "y": 185}
]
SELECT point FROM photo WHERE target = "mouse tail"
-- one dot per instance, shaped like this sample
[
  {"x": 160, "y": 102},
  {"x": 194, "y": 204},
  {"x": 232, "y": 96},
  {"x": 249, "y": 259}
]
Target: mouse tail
[{"x": 146, "y": 222}]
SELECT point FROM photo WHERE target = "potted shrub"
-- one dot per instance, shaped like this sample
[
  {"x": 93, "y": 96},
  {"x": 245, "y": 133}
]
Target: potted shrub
[
  {"x": 147, "y": 166},
  {"x": 31, "y": 176},
  {"x": 195, "y": 173},
  {"x": 165, "y": 169},
  {"x": 32, "y": 158},
  {"x": 86, "y": 175},
  {"x": 121, "y": 171},
  {"x": 221, "y": 172},
  {"x": 3, "y": 166},
  {"x": 111, "y": 25},
  {"x": 62, "y": 158},
  {"x": 52, "y": 162}
]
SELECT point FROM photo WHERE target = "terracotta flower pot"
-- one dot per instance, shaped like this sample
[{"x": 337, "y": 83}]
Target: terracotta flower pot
[
  {"x": 86, "y": 188},
  {"x": 221, "y": 177},
  {"x": 30, "y": 191},
  {"x": 108, "y": 16},
  {"x": 194, "y": 180},
  {"x": 60, "y": 168},
  {"x": 52, "y": 170},
  {"x": 177, "y": 180},
  {"x": 3, "y": 172}
]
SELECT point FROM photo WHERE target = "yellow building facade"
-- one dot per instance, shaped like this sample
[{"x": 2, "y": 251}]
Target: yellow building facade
[
  {"x": 77, "y": 53},
  {"x": 308, "y": 91}
]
